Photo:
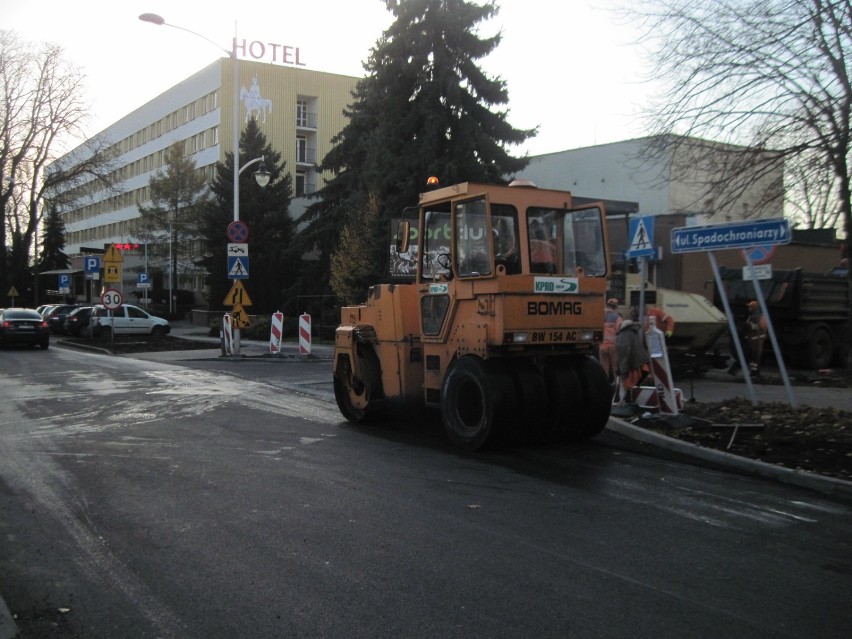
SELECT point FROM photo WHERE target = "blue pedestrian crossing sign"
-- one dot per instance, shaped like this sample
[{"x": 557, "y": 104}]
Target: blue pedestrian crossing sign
[
  {"x": 641, "y": 237},
  {"x": 238, "y": 267}
]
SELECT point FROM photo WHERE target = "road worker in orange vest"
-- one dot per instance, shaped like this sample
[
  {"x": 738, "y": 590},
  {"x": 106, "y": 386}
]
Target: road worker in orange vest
[{"x": 607, "y": 352}]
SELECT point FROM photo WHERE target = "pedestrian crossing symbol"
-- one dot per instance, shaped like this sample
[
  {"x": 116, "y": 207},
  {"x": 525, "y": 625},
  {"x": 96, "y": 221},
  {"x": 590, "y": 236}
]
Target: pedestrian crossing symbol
[
  {"x": 238, "y": 267},
  {"x": 641, "y": 237}
]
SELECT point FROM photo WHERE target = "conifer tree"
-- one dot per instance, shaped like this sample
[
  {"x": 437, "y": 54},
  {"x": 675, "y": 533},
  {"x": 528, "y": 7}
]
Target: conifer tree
[
  {"x": 424, "y": 109},
  {"x": 53, "y": 256},
  {"x": 265, "y": 211}
]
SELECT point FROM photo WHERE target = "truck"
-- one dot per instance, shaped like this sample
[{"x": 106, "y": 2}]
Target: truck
[
  {"x": 808, "y": 311},
  {"x": 698, "y": 323},
  {"x": 498, "y": 329}
]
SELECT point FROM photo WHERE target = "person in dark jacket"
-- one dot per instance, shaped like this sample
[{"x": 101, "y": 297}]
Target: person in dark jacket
[{"x": 633, "y": 360}]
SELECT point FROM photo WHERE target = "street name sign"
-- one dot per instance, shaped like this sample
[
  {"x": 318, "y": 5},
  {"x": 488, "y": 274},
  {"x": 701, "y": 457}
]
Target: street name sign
[{"x": 714, "y": 237}]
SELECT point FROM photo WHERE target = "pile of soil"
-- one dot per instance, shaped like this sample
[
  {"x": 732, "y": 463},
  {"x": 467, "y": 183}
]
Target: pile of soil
[{"x": 817, "y": 440}]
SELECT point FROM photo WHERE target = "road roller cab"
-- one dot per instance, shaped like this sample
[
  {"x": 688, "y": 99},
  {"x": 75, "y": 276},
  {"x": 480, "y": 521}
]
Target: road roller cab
[{"x": 498, "y": 327}]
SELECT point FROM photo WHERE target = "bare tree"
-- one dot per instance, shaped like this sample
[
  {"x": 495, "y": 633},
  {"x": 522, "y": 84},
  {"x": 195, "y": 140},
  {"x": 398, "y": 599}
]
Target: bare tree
[
  {"x": 41, "y": 109},
  {"x": 770, "y": 75}
]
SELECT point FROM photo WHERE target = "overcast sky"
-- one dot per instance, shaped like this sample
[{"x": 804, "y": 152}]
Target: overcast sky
[{"x": 570, "y": 68}]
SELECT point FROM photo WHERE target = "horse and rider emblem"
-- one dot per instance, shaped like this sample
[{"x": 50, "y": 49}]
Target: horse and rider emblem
[{"x": 255, "y": 104}]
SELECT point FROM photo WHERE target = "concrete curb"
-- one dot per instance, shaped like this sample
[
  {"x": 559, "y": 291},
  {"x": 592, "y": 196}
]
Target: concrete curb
[{"x": 812, "y": 481}]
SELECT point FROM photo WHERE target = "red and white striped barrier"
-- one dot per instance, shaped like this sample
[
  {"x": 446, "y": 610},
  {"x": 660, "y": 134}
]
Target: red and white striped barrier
[
  {"x": 275, "y": 331},
  {"x": 647, "y": 397},
  {"x": 304, "y": 334},
  {"x": 664, "y": 384},
  {"x": 227, "y": 334}
]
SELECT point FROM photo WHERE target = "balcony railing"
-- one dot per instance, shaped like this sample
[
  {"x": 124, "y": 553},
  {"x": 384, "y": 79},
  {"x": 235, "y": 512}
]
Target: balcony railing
[
  {"x": 306, "y": 155},
  {"x": 306, "y": 120}
]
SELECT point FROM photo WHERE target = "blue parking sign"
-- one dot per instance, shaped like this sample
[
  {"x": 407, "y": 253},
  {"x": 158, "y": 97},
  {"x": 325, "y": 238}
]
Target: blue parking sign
[
  {"x": 64, "y": 281},
  {"x": 142, "y": 280},
  {"x": 92, "y": 263}
]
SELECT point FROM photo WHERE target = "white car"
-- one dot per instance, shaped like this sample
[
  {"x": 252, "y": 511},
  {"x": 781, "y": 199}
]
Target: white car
[{"x": 127, "y": 320}]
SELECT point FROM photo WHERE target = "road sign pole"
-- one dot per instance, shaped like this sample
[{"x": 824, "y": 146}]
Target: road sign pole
[
  {"x": 758, "y": 293},
  {"x": 732, "y": 326}
]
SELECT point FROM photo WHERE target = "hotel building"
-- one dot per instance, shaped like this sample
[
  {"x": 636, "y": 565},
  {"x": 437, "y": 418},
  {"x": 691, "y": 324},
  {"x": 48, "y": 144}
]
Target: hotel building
[{"x": 298, "y": 110}]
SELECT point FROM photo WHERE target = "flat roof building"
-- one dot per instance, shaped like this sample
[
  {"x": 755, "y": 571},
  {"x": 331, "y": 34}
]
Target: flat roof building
[{"x": 297, "y": 109}]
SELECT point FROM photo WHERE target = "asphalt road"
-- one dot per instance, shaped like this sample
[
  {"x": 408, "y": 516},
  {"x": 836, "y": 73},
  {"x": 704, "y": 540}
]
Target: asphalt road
[{"x": 221, "y": 499}]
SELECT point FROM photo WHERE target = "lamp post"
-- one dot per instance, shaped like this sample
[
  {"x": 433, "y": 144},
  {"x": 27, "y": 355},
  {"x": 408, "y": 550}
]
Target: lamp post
[{"x": 261, "y": 175}]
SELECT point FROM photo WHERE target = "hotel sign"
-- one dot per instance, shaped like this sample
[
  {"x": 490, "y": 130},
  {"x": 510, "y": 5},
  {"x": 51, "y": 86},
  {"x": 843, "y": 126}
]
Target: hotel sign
[{"x": 268, "y": 51}]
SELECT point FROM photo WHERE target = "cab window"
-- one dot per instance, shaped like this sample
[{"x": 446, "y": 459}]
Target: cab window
[
  {"x": 437, "y": 236},
  {"x": 473, "y": 239},
  {"x": 504, "y": 231}
]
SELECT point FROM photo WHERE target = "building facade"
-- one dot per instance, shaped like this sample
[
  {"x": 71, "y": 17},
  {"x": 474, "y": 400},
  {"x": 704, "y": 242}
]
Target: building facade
[
  {"x": 298, "y": 110},
  {"x": 661, "y": 184},
  {"x": 674, "y": 189}
]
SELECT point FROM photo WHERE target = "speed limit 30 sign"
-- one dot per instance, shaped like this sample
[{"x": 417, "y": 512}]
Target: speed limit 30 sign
[{"x": 112, "y": 299}]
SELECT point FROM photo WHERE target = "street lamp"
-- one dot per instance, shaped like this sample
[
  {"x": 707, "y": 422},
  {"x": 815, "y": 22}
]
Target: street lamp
[
  {"x": 261, "y": 175},
  {"x": 158, "y": 20}
]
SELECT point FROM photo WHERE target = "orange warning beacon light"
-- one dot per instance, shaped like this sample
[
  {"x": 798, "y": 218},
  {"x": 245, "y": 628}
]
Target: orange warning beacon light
[{"x": 432, "y": 181}]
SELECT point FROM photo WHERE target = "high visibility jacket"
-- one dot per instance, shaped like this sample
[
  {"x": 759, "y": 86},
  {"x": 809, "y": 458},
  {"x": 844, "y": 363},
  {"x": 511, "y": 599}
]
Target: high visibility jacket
[{"x": 664, "y": 321}]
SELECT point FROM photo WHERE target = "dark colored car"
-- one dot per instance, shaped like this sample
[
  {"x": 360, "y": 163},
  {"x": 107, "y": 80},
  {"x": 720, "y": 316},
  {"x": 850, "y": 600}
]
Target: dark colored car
[
  {"x": 56, "y": 316},
  {"x": 23, "y": 326},
  {"x": 77, "y": 322}
]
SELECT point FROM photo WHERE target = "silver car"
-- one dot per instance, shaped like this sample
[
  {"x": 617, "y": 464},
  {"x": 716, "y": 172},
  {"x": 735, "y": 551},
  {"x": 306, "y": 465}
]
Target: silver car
[{"x": 127, "y": 320}]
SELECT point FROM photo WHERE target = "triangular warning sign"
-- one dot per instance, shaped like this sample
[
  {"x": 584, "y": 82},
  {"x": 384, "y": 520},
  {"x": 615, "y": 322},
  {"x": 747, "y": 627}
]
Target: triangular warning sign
[
  {"x": 112, "y": 254},
  {"x": 238, "y": 295}
]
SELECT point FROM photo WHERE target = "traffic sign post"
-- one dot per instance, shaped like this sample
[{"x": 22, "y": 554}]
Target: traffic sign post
[
  {"x": 641, "y": 246},
  {"x": 238, "y": 232},
  {"x": 238, "y": 269},
  {"x": 112, "y": 300},
  {"x": 113, "y": 260},
  {"x": 758, "y": 237},
  {"x": 641, "y": 237}
]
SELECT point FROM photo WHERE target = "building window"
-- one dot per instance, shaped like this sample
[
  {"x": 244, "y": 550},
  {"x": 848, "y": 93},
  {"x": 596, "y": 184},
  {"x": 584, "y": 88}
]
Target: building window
[
  {"x": 301, "y": 113},
  {"x": 300, "y": 183}
]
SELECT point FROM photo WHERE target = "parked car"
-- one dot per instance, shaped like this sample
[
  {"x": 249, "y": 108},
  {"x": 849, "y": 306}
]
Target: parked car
[
  {"x": 56, "y": 316},
  {"x": 23, "y": 326},
  {"x": 44, "y": 309},
  {"x": 77, "y": 321},
  {"x": 128, "y": 319}
]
